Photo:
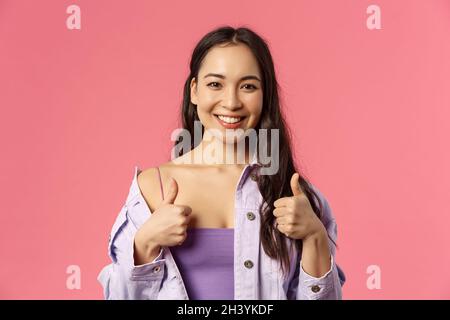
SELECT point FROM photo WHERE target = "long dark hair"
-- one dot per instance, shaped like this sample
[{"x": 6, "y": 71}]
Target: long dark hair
[{"x": 272, "y": 187}]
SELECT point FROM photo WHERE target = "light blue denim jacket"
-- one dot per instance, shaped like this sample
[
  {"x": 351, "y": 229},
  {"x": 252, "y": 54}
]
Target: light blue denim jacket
[{"x": 259, "y": 280}]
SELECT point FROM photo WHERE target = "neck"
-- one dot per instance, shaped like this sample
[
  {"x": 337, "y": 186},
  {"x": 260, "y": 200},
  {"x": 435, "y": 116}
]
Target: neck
[{"x": 215, "y": 152}]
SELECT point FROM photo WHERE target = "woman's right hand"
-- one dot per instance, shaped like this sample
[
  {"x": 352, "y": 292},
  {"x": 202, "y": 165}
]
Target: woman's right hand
[{"x": 167, "y": 225}]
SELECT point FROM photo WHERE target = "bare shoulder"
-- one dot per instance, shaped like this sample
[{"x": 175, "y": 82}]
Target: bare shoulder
[{"x": 148, "y": 183}]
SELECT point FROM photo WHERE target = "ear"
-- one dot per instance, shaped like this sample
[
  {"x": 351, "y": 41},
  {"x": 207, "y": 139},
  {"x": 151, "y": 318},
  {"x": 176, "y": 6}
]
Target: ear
[{"x": 194, "y": 91}]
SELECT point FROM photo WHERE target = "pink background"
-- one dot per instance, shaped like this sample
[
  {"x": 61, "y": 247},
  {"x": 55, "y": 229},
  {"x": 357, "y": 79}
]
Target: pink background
[{"x": 369, "y": 110}]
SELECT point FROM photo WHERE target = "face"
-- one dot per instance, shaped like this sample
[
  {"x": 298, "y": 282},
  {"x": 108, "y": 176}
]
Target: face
[{"x": 228, "y": 93}]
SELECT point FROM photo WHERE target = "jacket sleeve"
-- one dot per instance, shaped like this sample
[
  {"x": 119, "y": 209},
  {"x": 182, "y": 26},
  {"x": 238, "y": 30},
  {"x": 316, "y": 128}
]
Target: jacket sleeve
[
  {"x": 122, "y": 279},
  {"x": 329, "y": 286}
]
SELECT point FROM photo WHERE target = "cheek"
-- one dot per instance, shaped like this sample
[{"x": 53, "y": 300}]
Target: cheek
[
  {"x": 254, "y": 104},
  {"x": 256, "y": 111},
  {"x": 206, "y": 103},
  {"x": 207, "y": 96}
]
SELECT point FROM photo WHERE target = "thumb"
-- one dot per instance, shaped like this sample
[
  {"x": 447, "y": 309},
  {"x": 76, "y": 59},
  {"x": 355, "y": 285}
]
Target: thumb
[
  {"x": 172, "y": 193},
  {"x": 295, "y": 185}
]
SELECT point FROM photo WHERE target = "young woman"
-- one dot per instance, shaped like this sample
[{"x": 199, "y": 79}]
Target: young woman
[{"x": 193, "y": 228}]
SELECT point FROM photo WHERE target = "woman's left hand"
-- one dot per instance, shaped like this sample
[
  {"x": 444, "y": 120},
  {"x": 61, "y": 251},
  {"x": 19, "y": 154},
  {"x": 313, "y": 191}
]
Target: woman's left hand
[{"x": 294, "y": 215}]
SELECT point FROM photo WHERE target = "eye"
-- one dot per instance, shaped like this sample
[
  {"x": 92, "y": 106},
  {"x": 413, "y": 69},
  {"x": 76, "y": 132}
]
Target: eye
[
  {"x": 209, "y": 84},
  {"x": 252, "y": 87}
]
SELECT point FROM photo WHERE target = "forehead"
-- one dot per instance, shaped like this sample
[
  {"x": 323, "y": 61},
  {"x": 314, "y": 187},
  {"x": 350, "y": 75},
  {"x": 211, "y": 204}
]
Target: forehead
[{"x": 233, "y": 61}]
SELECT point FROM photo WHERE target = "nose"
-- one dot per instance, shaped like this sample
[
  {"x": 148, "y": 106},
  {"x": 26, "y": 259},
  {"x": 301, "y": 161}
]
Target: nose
[{"x": 231, "y": 100}]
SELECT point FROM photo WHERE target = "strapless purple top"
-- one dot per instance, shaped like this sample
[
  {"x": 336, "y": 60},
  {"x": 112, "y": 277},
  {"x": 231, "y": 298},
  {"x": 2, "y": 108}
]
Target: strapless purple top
[{"x": 206, "y": 260}]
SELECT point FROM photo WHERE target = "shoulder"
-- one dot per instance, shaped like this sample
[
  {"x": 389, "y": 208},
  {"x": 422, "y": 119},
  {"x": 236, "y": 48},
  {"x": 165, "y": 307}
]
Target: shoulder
[
  {"x": 148, "y": 184},
  {"x": 147, "y": 178}
]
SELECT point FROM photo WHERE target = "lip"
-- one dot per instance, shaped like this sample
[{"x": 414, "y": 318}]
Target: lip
[
  {"x": 231, "y": 115},
  {"x": 230, "y": 125}
]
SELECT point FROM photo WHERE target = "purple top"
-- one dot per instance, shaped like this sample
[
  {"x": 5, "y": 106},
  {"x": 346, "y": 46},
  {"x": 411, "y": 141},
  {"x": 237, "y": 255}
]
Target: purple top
[{"x": 206, "y": 257}]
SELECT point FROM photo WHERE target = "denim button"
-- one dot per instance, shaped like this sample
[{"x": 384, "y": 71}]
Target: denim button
[
  {"x": 248, "y": 264},
  {"x": 156, "y": 269},
  {"x": 250, "y": 216},
  {"x": 254, "y": 176},
  {"x": 315, "y": 288}
]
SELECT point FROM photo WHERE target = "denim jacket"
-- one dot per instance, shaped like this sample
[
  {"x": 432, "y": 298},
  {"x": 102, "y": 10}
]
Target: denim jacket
[{"x": 260, "y": 279}]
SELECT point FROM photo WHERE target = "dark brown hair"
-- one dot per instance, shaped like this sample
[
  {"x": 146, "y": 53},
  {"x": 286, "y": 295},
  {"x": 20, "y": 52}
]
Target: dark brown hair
[{"x": 272, "y": 187}]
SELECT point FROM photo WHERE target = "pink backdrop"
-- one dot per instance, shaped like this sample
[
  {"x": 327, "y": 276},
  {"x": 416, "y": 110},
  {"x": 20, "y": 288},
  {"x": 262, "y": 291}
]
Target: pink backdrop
[{"x": 79, "y": 108}]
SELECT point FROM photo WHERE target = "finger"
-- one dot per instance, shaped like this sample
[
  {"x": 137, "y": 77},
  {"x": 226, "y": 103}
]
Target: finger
[
  {"x": 279, "y": 212},
  {"x": 172, "y": 192},
  {"x": 283, "y": 229},
  {"x": 184, "y": 236},
  {"x": 188, "y": 220},
  {"x": 295, "y": 185},
  {"x": 186, "y": 209},
  {"x": 282, "y": 202},
  {"x": 282, "y": 220},
  {"x": 279, "y": 227}
]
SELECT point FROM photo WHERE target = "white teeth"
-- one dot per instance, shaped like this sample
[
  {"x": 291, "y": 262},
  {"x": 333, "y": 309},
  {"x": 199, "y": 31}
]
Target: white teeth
[{"x": 229, "y": 119}]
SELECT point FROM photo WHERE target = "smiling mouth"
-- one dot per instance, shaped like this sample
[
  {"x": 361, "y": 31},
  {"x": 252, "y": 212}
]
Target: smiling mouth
[{"x": 229, "y": 120}]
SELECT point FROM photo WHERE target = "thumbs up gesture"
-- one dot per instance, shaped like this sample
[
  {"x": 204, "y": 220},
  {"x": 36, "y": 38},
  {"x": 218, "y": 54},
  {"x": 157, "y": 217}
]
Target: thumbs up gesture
[
  {"x": 167, "y": 225},
  {"x": 294, "y": 215}
]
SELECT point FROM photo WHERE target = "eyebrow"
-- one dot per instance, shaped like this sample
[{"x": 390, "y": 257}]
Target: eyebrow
[{"x": 249, "y": 77}]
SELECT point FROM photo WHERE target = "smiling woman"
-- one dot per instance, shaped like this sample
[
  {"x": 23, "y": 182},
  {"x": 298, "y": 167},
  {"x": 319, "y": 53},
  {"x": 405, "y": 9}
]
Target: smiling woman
[{"x": 194, "y": 230}]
